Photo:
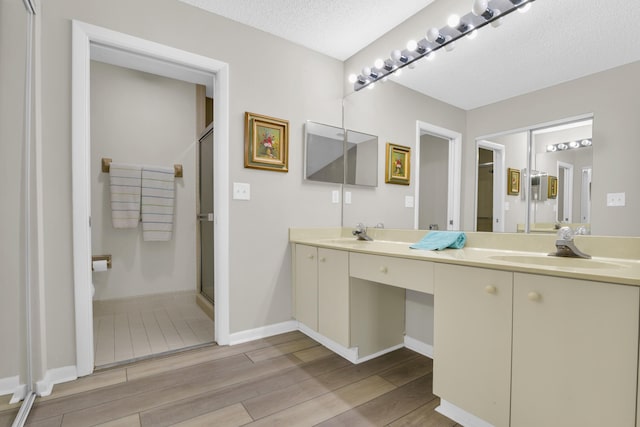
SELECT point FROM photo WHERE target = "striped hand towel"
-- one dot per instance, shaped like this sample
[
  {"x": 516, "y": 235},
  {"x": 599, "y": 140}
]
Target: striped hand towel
[
  {"x": 124, "y": 183},
  {"x": 158, "y": 196}
]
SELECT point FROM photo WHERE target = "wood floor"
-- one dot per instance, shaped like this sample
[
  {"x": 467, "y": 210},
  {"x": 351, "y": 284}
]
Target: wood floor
[
  {"x": 130, "y": 328},
  {"x": 285, "y": 380}
]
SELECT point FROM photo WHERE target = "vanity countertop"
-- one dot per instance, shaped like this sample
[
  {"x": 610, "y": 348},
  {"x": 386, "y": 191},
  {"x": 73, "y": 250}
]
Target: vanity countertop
[{"x": 498, "y": 251}]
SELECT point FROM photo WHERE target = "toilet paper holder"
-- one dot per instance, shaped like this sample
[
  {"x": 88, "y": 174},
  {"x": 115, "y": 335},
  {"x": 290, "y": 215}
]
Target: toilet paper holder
[{"x": 101, "y": 258}]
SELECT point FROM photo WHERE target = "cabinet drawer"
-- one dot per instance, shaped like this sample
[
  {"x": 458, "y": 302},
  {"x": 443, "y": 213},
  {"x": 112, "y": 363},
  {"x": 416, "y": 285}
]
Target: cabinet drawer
[{"x": 405, "y": 273}]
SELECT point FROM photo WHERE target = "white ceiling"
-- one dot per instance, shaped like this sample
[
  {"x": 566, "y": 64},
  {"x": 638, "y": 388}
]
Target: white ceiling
[{"x": 556, "y": 41}]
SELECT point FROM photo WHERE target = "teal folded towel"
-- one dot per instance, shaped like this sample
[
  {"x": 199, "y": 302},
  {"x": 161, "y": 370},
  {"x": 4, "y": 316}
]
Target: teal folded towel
[{"x": 439, "y": 240}]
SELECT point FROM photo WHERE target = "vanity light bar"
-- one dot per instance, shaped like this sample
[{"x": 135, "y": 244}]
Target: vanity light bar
[
  {"x": 562, "y": 146},
  {"x": 484, "y": 12}
]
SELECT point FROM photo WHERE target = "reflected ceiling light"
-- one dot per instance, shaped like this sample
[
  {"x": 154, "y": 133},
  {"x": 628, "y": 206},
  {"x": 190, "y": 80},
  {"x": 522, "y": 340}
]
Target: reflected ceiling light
[
  {"x": 563, "y": 146},
  {"x": 483, "y": 12},
  {"x": 525, "y": 8}
]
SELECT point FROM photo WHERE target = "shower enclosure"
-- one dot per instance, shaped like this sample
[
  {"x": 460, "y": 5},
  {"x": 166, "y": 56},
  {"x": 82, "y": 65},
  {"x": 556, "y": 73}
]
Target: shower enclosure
[{"x": 205, "y": 216}]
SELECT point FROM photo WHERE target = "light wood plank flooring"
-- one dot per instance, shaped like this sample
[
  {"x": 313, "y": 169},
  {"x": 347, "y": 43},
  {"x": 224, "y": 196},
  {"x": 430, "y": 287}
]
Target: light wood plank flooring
[
  {"x": 285, "y": 380},
  {"x": 130, "y": 328}
]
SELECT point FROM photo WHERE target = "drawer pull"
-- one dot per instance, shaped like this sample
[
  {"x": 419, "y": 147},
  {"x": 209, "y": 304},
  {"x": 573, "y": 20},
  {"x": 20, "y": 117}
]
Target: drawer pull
[
  {"x": 384, "y": 269},
  {"x": 490, "y": 289},
  {"x": 310, "y": 256},
  {"x": 322, "y": 259},
  {"x": 534, "y": 296}
]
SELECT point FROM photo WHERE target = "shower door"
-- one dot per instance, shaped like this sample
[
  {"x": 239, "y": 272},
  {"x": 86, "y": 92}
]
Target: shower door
[{"x": 205, "y": 216}]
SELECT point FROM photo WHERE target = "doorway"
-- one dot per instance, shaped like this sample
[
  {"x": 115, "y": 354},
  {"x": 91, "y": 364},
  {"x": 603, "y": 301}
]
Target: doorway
[
  {"x": 205, "y": 216},
  {"x": 437, "y": 189},
  {"x": 116, "y": 48},
  {"x": 490, "y": 189}
]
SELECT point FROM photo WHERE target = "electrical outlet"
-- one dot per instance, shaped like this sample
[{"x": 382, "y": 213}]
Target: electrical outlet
[
  {"x": 241, "y": 191},
  {"x": 347, "y": 197},
  {"x": 616, "y": 199},
  {"x": 335, "y": 196},
  {"x": 408, "y": 201}
]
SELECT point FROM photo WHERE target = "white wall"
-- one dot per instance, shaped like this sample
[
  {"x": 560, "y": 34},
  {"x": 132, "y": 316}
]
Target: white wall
[
  {"x": 267, "y": 76},
  {"x": 143, "y": 119}
]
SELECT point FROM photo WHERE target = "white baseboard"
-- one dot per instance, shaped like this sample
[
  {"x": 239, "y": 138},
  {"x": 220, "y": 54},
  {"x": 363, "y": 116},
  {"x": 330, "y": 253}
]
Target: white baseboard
[
  {"x": 53, "y": 377},
  {"x": 351, "y": 354},
  {"x": 460, "y": 416},
  {"x": 11, "y": 385},
  {"x": 262, "y": 332},
  {"x": 418, "y": 346}
]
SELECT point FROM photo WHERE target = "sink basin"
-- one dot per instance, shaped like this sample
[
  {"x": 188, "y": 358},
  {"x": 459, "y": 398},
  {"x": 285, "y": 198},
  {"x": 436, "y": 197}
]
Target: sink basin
[{"x": 550, "y": 261}]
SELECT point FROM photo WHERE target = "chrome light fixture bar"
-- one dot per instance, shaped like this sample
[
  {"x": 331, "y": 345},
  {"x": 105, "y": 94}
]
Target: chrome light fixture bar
[
  {"x": 562, "y": 146},
  {"x": 483, "y": 12}
]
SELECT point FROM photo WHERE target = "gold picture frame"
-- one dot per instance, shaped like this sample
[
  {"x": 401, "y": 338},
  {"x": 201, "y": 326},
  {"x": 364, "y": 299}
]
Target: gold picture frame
[
  {"x": 398, "y": 164},
  {"x": 513, "y": 182},
  {"x": 266, "y": 142},
  {"x": 552, "y": 190}
]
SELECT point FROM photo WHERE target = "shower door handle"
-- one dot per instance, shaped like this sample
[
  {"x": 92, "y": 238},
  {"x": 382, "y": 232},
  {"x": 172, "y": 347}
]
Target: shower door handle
[{"x": 206, "y": 217}]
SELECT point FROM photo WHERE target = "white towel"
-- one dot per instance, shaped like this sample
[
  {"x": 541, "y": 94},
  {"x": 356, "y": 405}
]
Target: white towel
[
  {"x": 158, "y": 195},
  {"x": 125, "y": 194}
]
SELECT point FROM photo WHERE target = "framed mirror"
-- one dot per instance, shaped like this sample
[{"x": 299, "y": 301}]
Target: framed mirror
[{"x": 340, "y": 156}]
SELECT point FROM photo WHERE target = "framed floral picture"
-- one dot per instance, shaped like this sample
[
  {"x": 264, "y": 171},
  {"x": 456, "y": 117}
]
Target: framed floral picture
[
  {"x": 552, "y": 190},
  {"x": 513, "y": 182},
  {"x": 266, "y": 143},
  {"x": 398, "y": 164}
]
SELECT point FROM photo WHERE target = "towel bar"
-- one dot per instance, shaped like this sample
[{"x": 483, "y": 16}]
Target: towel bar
[{"x": 106, "y": 165}]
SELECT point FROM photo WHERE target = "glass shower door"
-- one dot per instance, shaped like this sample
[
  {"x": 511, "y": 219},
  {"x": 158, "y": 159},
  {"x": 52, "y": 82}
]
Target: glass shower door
[{"x": 205, "y": 215}]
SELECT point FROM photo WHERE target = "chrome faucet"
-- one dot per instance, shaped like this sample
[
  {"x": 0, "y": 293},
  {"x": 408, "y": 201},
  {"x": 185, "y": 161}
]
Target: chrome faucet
[
  {"x": 361, "y": 232},
  {"x": 565, "y": 247}
]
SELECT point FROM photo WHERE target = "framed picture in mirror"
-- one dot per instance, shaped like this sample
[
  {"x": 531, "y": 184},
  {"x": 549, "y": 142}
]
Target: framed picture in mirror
[
  {"x": 552, "y": 190},
  {"x": 513, "y": 179},
  {"x": 398, "y": 164},
  {"x": 266, "y": 143}
]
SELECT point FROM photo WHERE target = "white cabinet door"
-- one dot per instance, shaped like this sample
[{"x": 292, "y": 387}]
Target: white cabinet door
[
  {"x": 306, "y": 285},
  {"x": 472, "y": 340},
  {"x": 333, "y": 295},
  {"x": 575, "y": 352}
]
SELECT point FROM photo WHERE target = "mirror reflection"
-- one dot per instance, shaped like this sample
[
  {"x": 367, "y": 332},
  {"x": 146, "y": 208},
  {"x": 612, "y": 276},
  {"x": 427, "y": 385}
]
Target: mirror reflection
[
  {"x": 340, "y": 156},
  {"x": 557, "y": 190}
]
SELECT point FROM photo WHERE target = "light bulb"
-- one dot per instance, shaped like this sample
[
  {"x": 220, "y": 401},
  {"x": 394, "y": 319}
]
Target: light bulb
[
  {"x": 396, "y": 55},
  {"x": 379, "y": 63},
  {"x": 497, "y": 22},
  {"x": 450, "y": 45},
  {"x": 412, "y": 45},
  {"x": 479, "y": 7},
  {"x": 366, "y": 71},
  {"x": 525, "y": 8},
  {"x": 352, "y": 78},
  {"x": 585, "y": 142},
  {"x": 574, "y": 144},
  {"x": 433, "y": 35},
  {"x": 562, "y": 146},
  {"x": 453, "y": 21},
  {"x": 551, "y": 148}
]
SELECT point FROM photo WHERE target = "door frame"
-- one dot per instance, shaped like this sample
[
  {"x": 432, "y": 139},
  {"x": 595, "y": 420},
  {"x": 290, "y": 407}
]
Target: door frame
[
  {"x": 499, "y": 184},
  {"x": 171, "y": 62},
  {"x": 567, "y": 198},
  {"x": 455, "y": 172}
]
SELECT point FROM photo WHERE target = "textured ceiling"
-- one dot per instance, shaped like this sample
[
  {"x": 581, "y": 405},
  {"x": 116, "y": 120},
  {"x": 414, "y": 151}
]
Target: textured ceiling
[
  {"x": 556, "y": 41},
  {"x": 337, "y": 28}
]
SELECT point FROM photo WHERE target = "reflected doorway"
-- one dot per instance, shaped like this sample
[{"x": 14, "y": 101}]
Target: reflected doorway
[
  {"x": 491, "y": 187},
  {"x": 485, "y": 190},
  {"x": 434, "y": 176}
]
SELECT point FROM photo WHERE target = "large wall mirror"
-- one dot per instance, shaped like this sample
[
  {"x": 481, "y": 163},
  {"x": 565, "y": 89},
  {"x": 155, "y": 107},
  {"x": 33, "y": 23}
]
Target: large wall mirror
[{"x": 553, "y": 167}]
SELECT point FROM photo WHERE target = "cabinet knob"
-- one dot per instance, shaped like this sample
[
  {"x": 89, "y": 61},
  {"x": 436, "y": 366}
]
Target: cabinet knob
[
  {"x": 534, "y": 296},
  {"x": 490, "y": 289},
  {"x": 383, "y": 269},
  {"x": 322, "y": 259},
  {"x": 310, "y": 256}
]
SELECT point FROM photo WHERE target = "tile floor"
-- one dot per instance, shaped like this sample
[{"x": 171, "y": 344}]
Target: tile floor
[{"x": 130, "y": 328}]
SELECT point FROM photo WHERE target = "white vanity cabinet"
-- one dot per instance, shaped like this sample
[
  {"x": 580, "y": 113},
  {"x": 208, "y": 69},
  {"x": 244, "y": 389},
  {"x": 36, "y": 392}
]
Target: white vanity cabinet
[
  {"x": 333, "y": 295},
  {"x": 575, "y": 352},
  {"x": 305, "y": 276},
  {"x": 472, "y": 340}
]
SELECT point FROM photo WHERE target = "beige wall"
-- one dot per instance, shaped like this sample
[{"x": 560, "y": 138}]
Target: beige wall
[
  {"x": 267, "y": 76},
  {"x": 143, "y": 119},
  {"x": 434, "y": 173},
  {"x": 13, "y": 28}
]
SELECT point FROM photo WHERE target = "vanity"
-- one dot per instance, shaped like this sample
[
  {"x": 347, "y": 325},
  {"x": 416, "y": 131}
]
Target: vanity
[{"x": 520, "y": 338}]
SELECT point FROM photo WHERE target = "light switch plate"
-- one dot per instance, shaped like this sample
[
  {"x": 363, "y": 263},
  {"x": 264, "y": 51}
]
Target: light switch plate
[
  {"x": 616, "y": 199},
  {"x": 241, "y": 191},
  {"x": 335, "y": 196},
  {"x": 408, "y": 201},
  {"x": 347, "y": 197}
]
